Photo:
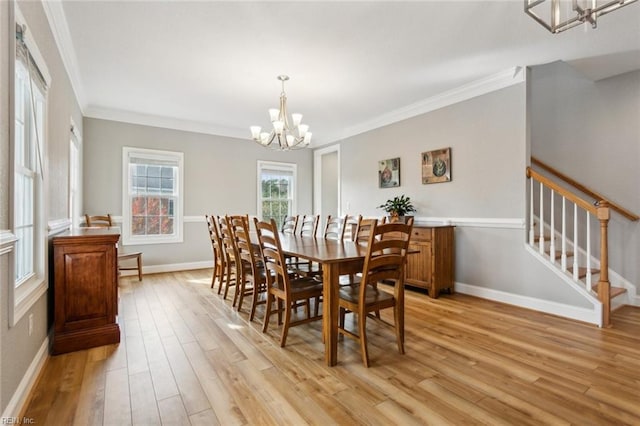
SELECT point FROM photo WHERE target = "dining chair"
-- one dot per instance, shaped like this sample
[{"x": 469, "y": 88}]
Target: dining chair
[
  {"x": 251, "y": 266},
  {"x": 361, "y": 236},
  {"x": 385, "y": 260},
  {"x": 231, "y": 252},
  {"x": 289, "y": 225},
  {"x": 101, "y": 221},
  {"x": 309, "y": 226},
  {"x": 334, "y": 228},
  {"x": 219, "y": 264},
  {"x": 351, "y": 223},
  {"x": 283, "y": 289}
]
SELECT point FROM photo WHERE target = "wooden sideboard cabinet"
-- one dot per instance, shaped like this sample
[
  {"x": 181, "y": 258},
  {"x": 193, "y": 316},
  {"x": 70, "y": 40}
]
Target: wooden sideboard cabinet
[
  {"x": 433, "y": 267},
  {"x": 85, "y": 262}
]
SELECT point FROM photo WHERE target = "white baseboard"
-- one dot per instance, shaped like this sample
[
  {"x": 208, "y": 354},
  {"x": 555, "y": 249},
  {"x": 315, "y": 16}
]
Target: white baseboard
[
  {"x": 172, "y": 267},
  {"x": 19, "y": 398},
  {"x": 573, "y": 312}
]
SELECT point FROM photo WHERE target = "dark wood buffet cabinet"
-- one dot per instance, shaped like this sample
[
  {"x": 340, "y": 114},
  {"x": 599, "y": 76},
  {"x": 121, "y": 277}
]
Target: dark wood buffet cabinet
[
  {"x": 432, "y": 268},
  {"x": 85, "y": 262}
]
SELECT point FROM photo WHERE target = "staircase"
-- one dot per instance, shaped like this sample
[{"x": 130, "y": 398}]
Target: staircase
[{"x": 570, "y": 235}]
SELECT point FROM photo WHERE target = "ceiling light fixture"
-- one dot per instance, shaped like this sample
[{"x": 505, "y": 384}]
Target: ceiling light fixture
[
  {"x": 565, "y": 14},
  {"x": 283, "y": 137}
]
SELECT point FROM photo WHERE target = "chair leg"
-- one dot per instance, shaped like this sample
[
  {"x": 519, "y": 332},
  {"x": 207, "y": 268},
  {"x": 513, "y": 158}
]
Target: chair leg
[
  {"x": 285, "y": 327},
  {"x": 267, "y": 313},
  {"x": 399, "y": 320},
  {"x": 240, "y": 282},
  {"x": 279, "y": 311},
  {"x": 341, "y": 319},
  {"x": 139, "y": 260},
  {"x": 256, "y": 298},
  {"x": 215, "y": 274},
  {"x": 228, "y": 284},
  {"x": 362, "y": 325},
  {"x": 223, "y": 269}
]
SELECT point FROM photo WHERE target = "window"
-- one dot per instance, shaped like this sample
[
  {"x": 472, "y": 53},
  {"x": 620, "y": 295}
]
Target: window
[
  {"x": 30, "y": 82},
  {"x": 276, "y": 190},
  {"x": 152, "y": 196}
]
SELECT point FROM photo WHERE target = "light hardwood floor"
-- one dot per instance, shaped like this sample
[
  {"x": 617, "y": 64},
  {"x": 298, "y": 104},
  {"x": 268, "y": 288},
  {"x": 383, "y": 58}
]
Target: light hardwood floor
[{"x": 187, "y": 358}]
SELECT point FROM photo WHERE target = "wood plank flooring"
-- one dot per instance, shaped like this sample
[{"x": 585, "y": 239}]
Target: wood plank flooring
[{"x": 186, "y": 358}]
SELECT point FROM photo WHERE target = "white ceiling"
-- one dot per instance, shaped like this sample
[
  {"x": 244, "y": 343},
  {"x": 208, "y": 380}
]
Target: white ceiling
[{"x": 211, "y": 66}]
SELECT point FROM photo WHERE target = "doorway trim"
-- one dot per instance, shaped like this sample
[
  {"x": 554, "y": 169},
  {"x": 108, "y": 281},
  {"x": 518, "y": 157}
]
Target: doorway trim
[{"x": 317, "y": 177}]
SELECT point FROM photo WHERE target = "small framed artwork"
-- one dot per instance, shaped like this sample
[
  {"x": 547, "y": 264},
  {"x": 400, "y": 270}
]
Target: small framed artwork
[
  {"x": 389, "y": 173},
  {"x": 436, "y": 166}
]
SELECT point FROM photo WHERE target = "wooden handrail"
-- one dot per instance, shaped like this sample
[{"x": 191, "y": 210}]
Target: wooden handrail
[
  {"x": 591, "y": 208},
  {"x": 599, "y": 197}
]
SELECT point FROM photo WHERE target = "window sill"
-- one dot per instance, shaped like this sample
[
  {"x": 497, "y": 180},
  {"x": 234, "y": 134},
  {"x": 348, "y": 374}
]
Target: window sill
[{"x": 26, "y": 295}]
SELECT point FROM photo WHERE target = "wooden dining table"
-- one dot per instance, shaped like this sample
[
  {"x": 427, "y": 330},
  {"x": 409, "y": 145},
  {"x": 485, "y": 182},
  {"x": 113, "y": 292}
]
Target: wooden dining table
[{"x": 337, "y": 258}]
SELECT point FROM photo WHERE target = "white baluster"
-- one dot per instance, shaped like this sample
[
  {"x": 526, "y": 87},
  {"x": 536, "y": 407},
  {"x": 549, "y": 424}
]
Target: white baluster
[
  {"x": 541, "y": 219},
  {"x": 588, "y": 253},
  {"x": 563, "y": 256},
  {"x": 575, "y": 242},
  {"x": 552, "y": 244},
  {"x": 532, "y": 233}
]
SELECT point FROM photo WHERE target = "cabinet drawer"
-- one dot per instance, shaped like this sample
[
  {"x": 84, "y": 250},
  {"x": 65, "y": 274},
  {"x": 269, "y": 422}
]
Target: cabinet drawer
[{"x": 421, "y": 234}]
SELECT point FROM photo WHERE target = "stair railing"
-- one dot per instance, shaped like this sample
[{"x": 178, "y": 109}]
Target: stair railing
[
  {"x": 599, "y": 209},
  {"x": 590, "y": 192}
]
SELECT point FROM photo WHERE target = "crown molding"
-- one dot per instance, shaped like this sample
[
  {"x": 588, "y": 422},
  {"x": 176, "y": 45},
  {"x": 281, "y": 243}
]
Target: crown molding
[
  {"x": 500, "y": 80},
  {"x": 54, "y": 11},
  {"x": 164, "y": 122}
]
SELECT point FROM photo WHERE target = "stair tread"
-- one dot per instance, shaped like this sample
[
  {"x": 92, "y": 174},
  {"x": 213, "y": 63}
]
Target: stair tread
[
  {"x": 613, "y": 291},
  {"x": 558, "y": 253},
  {"x": 582, "y": 271}
]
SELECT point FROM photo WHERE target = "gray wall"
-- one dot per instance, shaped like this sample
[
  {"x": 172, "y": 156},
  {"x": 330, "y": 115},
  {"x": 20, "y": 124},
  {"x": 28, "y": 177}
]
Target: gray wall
[
  {"x": 487, "y": 136},
  {"x": 18, "y": 349},
  {"x": 590, "y": 131},
  {"x": 329, "y": 186},
  {"x": 220, "y": 177}
]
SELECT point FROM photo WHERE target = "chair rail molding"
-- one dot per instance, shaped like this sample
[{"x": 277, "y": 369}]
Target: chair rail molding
[
  {"x": 7, "y": 241},
  {"x": 57, "y": 226},
  {"x": 472, "y": 222}
]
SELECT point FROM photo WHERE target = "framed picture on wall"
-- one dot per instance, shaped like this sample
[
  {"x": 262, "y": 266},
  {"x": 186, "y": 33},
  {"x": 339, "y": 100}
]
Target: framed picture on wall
[
  {"x": 389, "y": 173},
  {"x": 436, "y": 166}
]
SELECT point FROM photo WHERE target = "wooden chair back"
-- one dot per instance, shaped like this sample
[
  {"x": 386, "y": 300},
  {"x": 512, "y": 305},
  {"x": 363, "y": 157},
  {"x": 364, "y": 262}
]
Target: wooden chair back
[
  {"x": 334, "y": 228},
  {"x": 289, "y": 225},
  {"x": 219, "y": 256},
  {"x": 351, "y": 223},
  {"x": 272, "y": 255},
  {"x": 228, "y": 239},
  {"x": 248, "y": 254},
  {"x": 386, "y": 254},
  {"x": 364, "y": 230},
  {"x": 98, "y": 221},
  {"x": 309, "y": 225}
]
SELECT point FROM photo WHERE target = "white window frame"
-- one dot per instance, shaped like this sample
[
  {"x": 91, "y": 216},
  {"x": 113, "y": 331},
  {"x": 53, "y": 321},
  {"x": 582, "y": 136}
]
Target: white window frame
[
  {"x": 278, "y": 166},
  {"x": 23, "y": 294},
  {"x": 152, "y": 154}
]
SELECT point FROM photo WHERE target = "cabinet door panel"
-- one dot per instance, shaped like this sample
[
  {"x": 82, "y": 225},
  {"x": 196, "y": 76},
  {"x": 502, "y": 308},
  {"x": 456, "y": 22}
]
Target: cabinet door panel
[
  {"x": 85, "y": 286},
  {"x": 419, "y": 265}
]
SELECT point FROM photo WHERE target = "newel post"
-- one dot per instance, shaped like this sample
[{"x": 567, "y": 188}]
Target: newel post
[{"x": 604, "y": 287}]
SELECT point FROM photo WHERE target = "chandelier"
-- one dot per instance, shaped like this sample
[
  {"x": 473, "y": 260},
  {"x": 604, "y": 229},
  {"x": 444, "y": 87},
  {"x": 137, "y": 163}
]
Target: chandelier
[
  {"x": 283, "y": 136},
  {"x": 564, "y": 14}
]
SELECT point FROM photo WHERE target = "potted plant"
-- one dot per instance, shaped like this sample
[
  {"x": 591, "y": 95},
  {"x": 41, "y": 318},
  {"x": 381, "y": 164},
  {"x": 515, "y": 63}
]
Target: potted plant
[{"x": 398, "y": 207}]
